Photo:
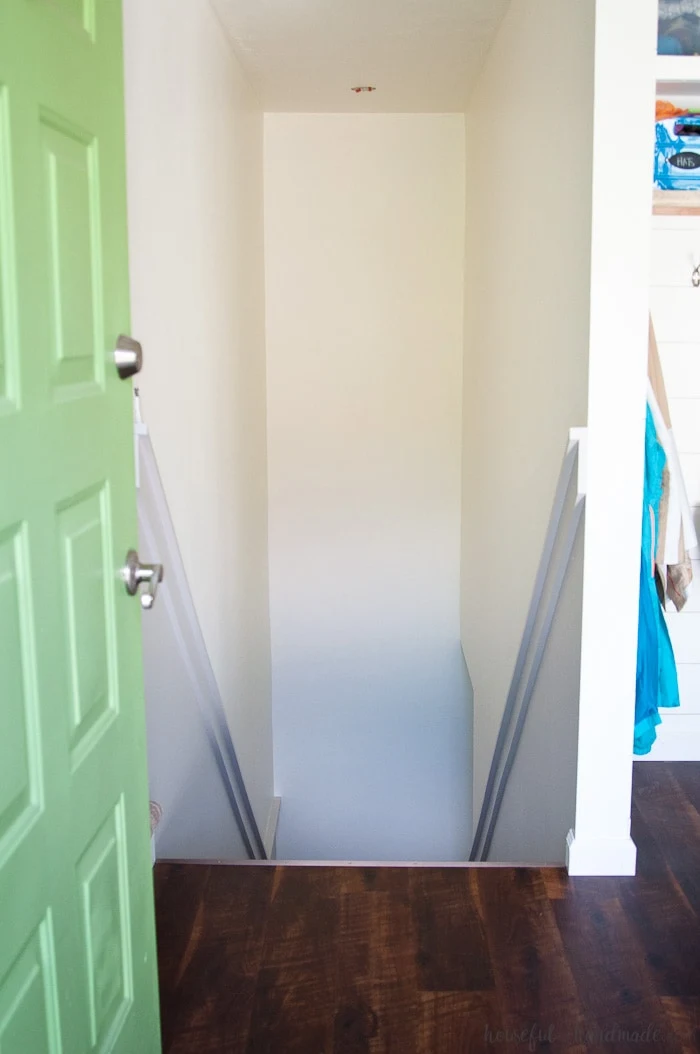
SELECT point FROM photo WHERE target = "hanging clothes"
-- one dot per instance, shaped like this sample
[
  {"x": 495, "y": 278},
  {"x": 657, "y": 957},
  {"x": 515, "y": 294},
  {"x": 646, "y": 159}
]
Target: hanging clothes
[
  {"x": 657, "y": 681},
  {"x": 676, "y": 531}
]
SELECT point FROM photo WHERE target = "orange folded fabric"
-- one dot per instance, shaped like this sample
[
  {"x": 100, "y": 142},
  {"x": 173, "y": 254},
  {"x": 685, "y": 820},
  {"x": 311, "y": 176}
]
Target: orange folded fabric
[{"x": 666, "y": 109}]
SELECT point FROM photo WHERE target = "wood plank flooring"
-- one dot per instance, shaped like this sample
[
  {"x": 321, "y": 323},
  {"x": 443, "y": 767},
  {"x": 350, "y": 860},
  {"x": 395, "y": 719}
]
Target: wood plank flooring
[{"x": 334, "y": 960}]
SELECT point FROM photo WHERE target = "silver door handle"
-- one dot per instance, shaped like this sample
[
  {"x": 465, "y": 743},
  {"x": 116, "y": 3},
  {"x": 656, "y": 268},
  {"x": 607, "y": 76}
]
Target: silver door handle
[
  {"x": 128, "y": 357},
  {"x": 135, "y": 574}
]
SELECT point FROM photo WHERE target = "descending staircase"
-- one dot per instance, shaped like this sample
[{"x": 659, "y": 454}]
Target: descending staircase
[{"x": 529, "y": 799}]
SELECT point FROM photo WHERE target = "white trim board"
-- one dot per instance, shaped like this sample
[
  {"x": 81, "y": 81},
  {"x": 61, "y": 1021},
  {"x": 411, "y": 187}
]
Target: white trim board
[
  {"x": 625, "y": 34},
  {"x": 600, "y": 856},
  {"x": 464, "y": 864},
  {"x": 580, "y": 436}
]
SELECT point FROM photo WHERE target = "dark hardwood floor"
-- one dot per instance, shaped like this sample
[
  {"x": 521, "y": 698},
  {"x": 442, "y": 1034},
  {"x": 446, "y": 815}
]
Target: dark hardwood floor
[{"x": 297, "y": 960}]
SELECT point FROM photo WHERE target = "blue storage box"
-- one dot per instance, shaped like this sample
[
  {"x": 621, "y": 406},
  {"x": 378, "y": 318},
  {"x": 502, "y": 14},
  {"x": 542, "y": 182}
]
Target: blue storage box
[
  {"x": 679, "y": 27},
  {"x": 677, "y": 164}
]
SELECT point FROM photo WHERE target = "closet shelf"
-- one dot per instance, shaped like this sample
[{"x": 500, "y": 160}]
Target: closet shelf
[
  {"x": 678, "y": 74},
  {"x": 676, "y": 202}
]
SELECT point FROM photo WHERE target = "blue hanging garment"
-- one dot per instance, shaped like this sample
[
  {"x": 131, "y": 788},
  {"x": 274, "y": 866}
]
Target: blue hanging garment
[{"x": 657, "y": 680}]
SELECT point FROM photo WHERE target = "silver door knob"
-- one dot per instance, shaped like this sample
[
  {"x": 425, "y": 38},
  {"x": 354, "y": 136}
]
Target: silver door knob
[
  {"x": 135, "y": 574},
  {"x": 128, "y": 357}
]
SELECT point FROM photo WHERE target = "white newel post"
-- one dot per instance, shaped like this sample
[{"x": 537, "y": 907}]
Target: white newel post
[{"x": 600, "y": 843}]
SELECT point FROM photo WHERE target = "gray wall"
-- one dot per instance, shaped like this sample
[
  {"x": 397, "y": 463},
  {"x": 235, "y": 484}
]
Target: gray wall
[
  {"x": 540, "y": 800},
  {"x": 527, "y": 313},
  {"x": 197, "y": 821},
  {"x": 364, "y": 263},
  {"x": 372, "y": 777},
  {"x": 191, "y": 768}
]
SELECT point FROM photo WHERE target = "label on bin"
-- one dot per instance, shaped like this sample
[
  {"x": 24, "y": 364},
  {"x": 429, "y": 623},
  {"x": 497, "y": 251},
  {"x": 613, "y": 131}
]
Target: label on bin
[{"x": 688, "y": 159}]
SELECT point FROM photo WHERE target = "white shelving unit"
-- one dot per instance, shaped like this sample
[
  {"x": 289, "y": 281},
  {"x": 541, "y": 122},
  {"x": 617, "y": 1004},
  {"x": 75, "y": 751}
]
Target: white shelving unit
[
  {"x": 678, "y": 75},
  {"x": 678, "y": 79}
]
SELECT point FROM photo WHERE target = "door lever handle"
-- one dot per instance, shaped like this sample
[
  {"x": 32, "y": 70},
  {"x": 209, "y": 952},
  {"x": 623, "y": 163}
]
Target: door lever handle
[{"x": 135, "y": 574}]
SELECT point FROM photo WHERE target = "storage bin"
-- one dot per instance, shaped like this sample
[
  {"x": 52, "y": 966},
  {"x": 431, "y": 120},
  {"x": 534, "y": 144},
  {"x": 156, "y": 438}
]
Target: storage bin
[
  {"x": 679, "y": 27},
  {"x": 677, "y": 165}
]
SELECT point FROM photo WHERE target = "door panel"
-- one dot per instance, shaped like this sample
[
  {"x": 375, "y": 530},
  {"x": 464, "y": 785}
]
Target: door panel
[
  {"x": 8, "y": 332},
  {"x": 88, "y": 596},
  {"x": 77, "y": 955},
  {"x": 103, "y": 875},
  {"x": 80, "y": 14},
  {"x": 73, "y": 204},
  {"x": 28, "y": 1003},
  {"x": 19, "y": 775}
]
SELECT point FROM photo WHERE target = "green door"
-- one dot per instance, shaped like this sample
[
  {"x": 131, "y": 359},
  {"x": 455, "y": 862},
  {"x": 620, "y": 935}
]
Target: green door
[{"x": 77, "y": 947}]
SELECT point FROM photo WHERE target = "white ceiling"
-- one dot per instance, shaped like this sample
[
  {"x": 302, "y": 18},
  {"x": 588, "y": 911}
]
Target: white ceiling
[{"x": 305, "y": 55}]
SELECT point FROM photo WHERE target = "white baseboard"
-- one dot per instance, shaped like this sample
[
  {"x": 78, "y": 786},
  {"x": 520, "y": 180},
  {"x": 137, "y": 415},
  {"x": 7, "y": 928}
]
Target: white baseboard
[
  {"x": 600, "y": 856},
  {"x": 270, "y": 832},
  {"x": 677, "y": 739},
  {"x": 373, "y": 864}
]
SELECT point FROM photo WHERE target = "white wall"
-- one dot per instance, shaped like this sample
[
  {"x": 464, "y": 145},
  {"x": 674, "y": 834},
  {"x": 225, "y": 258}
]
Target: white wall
[
  {"x": 557, "y": 274},
  {"x": 529, "y": 135},
  {"x": 364, "y": 263},
  {"x": 194, "y": 154}
]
